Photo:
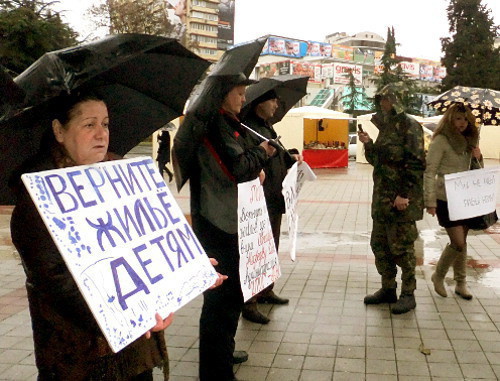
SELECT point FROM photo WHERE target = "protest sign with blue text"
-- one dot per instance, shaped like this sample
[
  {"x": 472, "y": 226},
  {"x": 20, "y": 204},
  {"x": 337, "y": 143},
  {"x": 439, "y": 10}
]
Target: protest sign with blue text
[
  {"x": 472, "y": 193},
  {"x": 125, "y": 241},
  {"x": 259, "y": 265}
]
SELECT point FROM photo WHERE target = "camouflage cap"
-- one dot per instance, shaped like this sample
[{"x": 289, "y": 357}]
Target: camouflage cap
[{"x": 393, "y": 92}]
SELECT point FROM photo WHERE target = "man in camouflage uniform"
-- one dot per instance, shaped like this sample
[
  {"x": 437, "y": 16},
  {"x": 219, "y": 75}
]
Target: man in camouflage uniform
[{"x": 398, "y": 163}]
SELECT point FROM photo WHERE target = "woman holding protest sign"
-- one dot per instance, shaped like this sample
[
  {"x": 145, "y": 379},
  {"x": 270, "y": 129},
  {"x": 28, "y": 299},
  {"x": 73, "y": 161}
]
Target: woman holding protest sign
[
  {"x": 453, "y": 149},
  {"x": 69, "y": 345}
]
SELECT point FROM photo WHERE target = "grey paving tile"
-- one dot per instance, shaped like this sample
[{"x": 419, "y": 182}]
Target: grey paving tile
[
  {"x": 19, "y": 373},
  {"x": 251, "y": 373},
  {"x": 319, "y": 363},
  {"x": 277, "y": 374},
  {"x": 413, "y": 368},
  {"x": 349, "y": 365},
  {"x": 472, "y": 371},
  {"x": 315, "y": 375},
  {"x": 293, "y": 349},
  {"x": 439, "y": 369},
  {"x": 442, "y": 356}
]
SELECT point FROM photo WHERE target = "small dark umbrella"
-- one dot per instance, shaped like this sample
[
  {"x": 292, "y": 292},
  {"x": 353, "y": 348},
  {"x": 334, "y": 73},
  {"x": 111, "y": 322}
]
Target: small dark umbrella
[
  {"x": 235, "y": 63},
  {"x": 144, "y": 80},
  {"x": 289, "y": 88},
  {"x": 484, "y": 103}
]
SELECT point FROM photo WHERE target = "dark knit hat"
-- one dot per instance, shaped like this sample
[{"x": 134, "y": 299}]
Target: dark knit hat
[{"x": 271, "y": 94}]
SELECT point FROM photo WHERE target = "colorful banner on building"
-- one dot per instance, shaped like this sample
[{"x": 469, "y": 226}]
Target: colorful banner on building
[
  {"x": 319, "y": 49},
  {"x": 125, "y": 241},
  {"x": 225, "y": 35},
  {"x": 284, "y": 47},
  {"x": 341, "y": 73},
  {"x": 313, "y": 70},
  {"x": 364, "y": 56},
  {"x": 342, "y": 52},
  {"x": 412, "y": 69},
  {"x": 274, "y": 68}
]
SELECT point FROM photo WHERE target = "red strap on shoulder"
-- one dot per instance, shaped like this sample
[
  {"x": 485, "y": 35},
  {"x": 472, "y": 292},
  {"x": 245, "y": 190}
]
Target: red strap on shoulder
[{"x": 218, "y": 159}]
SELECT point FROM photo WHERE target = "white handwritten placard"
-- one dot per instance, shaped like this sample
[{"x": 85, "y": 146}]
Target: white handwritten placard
[
  {"x": 471, "y": 193},
  {"x": 292, "y": 184},
  {"x": 125, "y": 241},
  {"x": 259, "y": 265}
]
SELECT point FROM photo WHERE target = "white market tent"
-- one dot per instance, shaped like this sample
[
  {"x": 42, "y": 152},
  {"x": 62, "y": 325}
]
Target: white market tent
[
  {"x": 293, "y": 125},
  {"x": 489, "y": 141},
  {"x": 369, "y": 127}
]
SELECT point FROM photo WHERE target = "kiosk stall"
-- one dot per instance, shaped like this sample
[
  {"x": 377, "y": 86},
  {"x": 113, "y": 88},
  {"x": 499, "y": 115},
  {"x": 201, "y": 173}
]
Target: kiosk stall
[{"x": 322, "y": 134}]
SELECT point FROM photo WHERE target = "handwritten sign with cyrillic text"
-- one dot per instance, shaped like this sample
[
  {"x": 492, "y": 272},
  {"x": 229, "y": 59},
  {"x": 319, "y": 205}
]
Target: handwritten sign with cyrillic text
[
  {"x": 259, "y": 265},
  {"x": 472, "y": 193}
]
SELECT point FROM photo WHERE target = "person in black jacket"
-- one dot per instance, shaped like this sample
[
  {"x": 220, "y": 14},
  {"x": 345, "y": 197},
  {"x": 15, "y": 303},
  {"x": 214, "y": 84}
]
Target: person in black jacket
[
  {"x": 261, "y": 110},
  {"x": 225, "y": 157}
]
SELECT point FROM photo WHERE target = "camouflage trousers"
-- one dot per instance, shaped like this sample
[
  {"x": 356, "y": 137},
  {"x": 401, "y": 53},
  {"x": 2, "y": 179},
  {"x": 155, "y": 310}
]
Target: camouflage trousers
[{"x": 393, "y": 245}]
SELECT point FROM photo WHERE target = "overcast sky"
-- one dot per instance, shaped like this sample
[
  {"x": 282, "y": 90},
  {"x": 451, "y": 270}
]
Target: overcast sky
[{"x": 418, "y": 24}]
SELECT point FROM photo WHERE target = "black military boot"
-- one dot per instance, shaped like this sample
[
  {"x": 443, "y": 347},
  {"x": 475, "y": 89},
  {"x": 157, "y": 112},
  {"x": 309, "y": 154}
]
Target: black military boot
[
  {"x": 405, "y": 303},
  {"x": 384, "y": 295}
]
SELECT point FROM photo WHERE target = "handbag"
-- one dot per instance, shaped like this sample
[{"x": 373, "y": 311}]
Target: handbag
[
  {"x": 485, "y": 221},
  {"x": 482, "y": 222}
]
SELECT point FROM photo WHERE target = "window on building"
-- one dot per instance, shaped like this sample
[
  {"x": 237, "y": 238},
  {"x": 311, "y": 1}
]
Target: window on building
[
  {"x": 205, "y": 39},
  {"x": 204, "y": 4},
  {"x": 204, "y": 16},
  {"x": 204, "y": 27},
  {"x": 210, "y": 52}
]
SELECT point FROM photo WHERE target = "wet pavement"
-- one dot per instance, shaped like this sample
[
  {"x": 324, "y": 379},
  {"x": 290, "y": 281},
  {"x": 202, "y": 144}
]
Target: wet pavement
[{"x": 326, "y": 332}]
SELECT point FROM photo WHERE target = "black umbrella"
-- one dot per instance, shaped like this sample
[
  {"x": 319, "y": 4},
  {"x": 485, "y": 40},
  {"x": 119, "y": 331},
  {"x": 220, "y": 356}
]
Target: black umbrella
[
  {"x": 145, "y": 81},
  {"x": 235, "y": 63},
  {"x": 289, "y": 88},
  {"x": 484, "y": 103}
]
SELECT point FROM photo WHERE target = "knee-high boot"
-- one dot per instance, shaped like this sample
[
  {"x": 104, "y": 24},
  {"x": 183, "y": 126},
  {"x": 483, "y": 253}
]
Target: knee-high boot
[
  {"x": 445, "y": 261},
  {"x": 460, "y": 275}
]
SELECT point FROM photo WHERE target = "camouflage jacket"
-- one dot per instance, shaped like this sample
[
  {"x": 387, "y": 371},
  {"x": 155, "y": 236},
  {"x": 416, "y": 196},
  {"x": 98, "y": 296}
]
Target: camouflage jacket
[{"x": 398, "y": 161}]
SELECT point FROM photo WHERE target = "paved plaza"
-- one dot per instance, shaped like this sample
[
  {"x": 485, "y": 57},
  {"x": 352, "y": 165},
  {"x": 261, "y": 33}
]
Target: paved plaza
[{"x": 326, "y": 332}]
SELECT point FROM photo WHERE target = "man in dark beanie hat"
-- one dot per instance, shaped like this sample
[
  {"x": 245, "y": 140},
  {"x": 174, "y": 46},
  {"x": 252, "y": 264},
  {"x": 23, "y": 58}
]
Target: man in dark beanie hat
[
  {"x": 225, "y": 157},
  {"x": 260, "y": 111}
]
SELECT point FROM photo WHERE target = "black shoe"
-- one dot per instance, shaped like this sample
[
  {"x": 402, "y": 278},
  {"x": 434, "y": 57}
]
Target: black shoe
[
  {"x": 250, "y": 312},
  {"x": 239, "y": 357},
  {"x": 404, "y": 304},
  {"x": 384, "y": 295},
  {"x": 272, "y": 298}
]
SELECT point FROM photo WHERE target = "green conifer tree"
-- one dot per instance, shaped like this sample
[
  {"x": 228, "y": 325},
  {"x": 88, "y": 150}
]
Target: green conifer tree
[{"x": 469, "y": 54}]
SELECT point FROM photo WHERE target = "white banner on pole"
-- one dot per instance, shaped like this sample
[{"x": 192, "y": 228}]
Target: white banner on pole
[
  {"x": 259, "y": 264},
  {"x": 472, "y": 193},
  {"x": 125, "y": 241},
  {"x": 292, "y": 184}
]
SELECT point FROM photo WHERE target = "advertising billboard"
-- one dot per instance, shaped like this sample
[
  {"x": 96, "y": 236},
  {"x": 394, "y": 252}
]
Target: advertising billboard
[
  {"x": 342, "y": 52},
  {"x": 412, "y": 69},
  {"x": 285, "y": 47},
  {"x": 313, "y": 70},
  {"x": 225, "y": 35},
  {"x": 319, "y": 49},
  {"x": 341, "y": 73},
  {"x": 274, "y": 68}
]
